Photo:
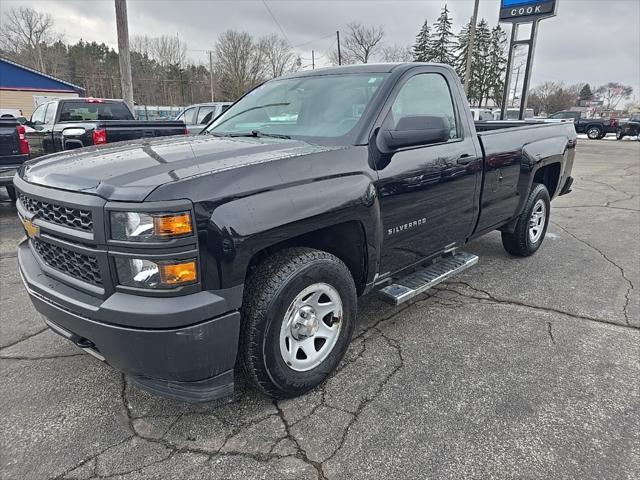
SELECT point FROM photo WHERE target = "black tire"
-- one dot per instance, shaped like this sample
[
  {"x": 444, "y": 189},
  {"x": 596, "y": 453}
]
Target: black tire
[
  {"x": 519, "y": 243},
  {"x": 269, "y": 291},
  {"x": 11, "y": 191},
  {"x": 594, "y": 133},
  {"x": 619, "y": 134}
]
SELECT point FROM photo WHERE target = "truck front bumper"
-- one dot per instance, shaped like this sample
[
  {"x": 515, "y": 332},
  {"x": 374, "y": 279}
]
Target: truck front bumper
[{"x": 192, "y": 363}]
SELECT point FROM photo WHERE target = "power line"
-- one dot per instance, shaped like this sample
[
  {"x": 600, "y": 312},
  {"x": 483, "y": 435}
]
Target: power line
[
  {"x": 314, "y": 40},
  {"x": 277, "y": 23}
]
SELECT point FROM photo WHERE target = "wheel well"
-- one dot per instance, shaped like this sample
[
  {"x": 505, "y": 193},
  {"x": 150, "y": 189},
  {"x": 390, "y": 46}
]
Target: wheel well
[
  {"x": 595, "y": 125},
  {"x": 549, "y": 176},
  {"x": 347, "y": 241}
]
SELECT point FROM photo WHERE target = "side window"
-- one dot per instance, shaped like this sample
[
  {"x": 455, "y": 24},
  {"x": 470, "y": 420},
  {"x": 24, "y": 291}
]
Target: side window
[
  {"x": 51, "y": 113},
  {"x": 205, "y": 114},
  {"x": 425, "y": 94},
  {"x": 38, "y": 114},
  {"x": 189, "y": 116}
]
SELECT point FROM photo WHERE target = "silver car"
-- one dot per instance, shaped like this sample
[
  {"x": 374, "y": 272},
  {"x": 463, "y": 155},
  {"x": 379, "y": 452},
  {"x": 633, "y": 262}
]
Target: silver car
[{"x": 197, "y": 116}]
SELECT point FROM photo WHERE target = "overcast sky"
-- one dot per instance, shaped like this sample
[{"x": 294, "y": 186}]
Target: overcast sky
[{"x": 593, "y": 41}]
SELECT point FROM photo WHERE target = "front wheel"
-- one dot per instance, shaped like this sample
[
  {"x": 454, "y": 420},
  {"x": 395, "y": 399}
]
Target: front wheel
[
  {"x": 298, "y": 317},
  {"x": 594, "y": 133},
  {"x": 531, "y": 227},
  {"x": 619, "y": 134}
]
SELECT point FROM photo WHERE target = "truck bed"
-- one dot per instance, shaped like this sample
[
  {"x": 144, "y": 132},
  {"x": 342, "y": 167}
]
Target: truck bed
[{"x": 512, "y": 148}]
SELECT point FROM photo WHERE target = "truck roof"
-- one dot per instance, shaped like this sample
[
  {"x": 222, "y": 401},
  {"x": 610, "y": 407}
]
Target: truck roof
[{"x": 360, "y": 68}]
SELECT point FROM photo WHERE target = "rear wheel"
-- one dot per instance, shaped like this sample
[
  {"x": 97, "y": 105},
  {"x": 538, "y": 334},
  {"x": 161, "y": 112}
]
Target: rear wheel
[
  {"x": 11, "y": 191},
  {"x": 594, "y": 133},
  {"x": 299, "y": 314},
  {"x": 531, "y": 226},
  {"x": 619, "y": 134}
]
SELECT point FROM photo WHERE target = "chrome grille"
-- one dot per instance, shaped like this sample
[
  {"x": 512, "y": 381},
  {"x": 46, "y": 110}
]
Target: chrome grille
[
  {"x": 77, "y": 265},
  {"x": 69, "y": 217}
]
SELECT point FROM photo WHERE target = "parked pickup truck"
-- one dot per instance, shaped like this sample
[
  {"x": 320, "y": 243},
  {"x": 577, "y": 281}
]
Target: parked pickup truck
[
  {"x": 14, "y": 150},
  {"x": 170, "y": 259},
  {"x": 595, "y": 128},
  {"x": 73, "y": 123},
  {"x": 629, "y": 128}
]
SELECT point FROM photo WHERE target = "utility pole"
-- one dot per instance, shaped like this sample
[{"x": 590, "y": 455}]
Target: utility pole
[
  {"x": 313, "y": 61},
  {"x": 123, "y": 52},
  {"x": 339, "y": 54},
  {"x": 211, "y": 73},
  {"x": 472, "y": 41}
]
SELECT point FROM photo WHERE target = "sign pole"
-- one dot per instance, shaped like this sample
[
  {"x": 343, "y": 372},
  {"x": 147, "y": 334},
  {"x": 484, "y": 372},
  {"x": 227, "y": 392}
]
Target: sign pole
[
  {"x": 507, "y": 80},
  {"x": 527, "y": 72}
]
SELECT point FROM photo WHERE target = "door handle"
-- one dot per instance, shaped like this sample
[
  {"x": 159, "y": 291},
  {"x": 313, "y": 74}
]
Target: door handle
[{"x": 465, "y": 159}]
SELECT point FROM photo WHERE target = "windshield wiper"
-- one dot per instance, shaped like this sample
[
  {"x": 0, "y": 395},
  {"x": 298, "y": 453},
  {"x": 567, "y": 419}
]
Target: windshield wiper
[{"x": 257, "y": 134}]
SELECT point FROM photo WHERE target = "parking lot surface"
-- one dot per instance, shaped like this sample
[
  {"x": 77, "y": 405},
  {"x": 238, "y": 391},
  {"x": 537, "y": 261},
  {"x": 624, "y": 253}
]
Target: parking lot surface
[{"x": 526, "y": 368}]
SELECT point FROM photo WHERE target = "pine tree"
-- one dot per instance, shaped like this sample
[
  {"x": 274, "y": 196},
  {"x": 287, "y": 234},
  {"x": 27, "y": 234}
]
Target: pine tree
[
  {"x": 481, "y": 58},
  {"x": 497, "y": 64},
  {"x": 460, "y": 60},
  {"x": 586, "y": 93},
  {"x": 442, "y": 45},
  {"x": 421, "y": 47}
]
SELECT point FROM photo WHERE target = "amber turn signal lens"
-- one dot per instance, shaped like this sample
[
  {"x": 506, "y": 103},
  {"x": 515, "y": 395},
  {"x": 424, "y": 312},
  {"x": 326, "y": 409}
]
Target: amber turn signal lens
[
  {"x": 178, "y": 273},
  {"x": 172, "y": 225}
]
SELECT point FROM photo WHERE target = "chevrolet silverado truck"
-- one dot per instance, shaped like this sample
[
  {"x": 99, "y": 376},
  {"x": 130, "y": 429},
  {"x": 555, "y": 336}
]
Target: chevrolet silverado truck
[
  {"x": 174, "y": 260},
  {"x": 72, "y": 123},
  {"x": 14, "y": 151}
]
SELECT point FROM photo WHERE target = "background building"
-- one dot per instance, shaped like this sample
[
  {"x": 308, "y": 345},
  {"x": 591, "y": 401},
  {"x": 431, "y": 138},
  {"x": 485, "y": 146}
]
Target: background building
[{"x": 24, "y": 88}]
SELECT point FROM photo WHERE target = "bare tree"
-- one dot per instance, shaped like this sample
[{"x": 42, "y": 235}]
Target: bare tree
[
  {"x": 240, "y": 63},
  {"x": 29, "y": 33},
  {"x": 397, "y": 53},
  {"x": 278, "y": 56},
  {"x": 551, "y": 97},
  {"x": 360, "y": 44},
  {"x": 167, "y": 50},
  {"x": 612, "y": 93}
]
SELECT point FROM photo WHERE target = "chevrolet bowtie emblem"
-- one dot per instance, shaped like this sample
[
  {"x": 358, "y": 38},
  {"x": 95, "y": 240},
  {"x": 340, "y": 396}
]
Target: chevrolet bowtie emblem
[{"x": 31, "y": 229}]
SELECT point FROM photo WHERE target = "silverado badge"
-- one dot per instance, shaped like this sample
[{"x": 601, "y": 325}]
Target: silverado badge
[{"x": 31, "y": 229}]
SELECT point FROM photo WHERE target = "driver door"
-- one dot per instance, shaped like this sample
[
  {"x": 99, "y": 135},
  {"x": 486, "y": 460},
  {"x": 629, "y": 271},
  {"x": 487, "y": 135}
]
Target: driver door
[
  {"x": 34, "y": 131},
  {"x": 428, "y": 194}
]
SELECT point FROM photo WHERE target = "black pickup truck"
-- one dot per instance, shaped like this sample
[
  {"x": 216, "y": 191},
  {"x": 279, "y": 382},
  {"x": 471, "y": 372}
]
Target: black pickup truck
[
  {"x": 594, "y": 128},
  {"x": 629, "y": 128},
  {"x": 14, "y": 151},
  {"x": 72, "y": 123},
  {"x": 171, "y": 259}
]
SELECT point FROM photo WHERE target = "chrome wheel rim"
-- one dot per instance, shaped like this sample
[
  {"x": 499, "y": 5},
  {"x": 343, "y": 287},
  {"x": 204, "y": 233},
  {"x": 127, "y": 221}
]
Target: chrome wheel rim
[
  {"x": 311, "y": 327},
  {"x": 593, "y": 133},
  {"x": 537, "y": 221}
]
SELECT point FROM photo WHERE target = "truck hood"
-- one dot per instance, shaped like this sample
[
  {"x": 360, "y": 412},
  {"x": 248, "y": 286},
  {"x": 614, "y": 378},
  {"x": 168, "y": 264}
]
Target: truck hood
[{"x": 131, "y": 171}]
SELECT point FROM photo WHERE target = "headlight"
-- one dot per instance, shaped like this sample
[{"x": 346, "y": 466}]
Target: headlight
[
  {"x": 136, "y": 272},
  {"x": 150, "y": 227}
]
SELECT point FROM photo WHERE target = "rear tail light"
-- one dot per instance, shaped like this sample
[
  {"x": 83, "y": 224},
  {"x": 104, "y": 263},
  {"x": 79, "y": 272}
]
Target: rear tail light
[
  {"x": 99, "y": 136},
  {"x": 185, "y": 131},
  {"x": 23, "y": 144}
]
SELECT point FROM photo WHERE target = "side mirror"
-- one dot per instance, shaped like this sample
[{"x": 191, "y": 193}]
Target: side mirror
[
  {"x": 413, "y": 131},
  {"x": 23, "y": 121}
]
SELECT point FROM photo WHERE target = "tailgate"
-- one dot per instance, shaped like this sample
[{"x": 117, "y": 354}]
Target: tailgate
[
  {"x": 120, "y": 130},
  {"x": 8, "y": 139}
]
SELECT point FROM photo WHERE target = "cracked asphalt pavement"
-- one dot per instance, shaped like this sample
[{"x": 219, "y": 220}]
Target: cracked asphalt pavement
[{"x": 517, "y": 368}]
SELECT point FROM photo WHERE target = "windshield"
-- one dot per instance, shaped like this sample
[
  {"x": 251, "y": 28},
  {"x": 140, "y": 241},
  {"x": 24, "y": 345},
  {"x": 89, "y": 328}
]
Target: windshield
[{"x": 322, "y": 107}]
